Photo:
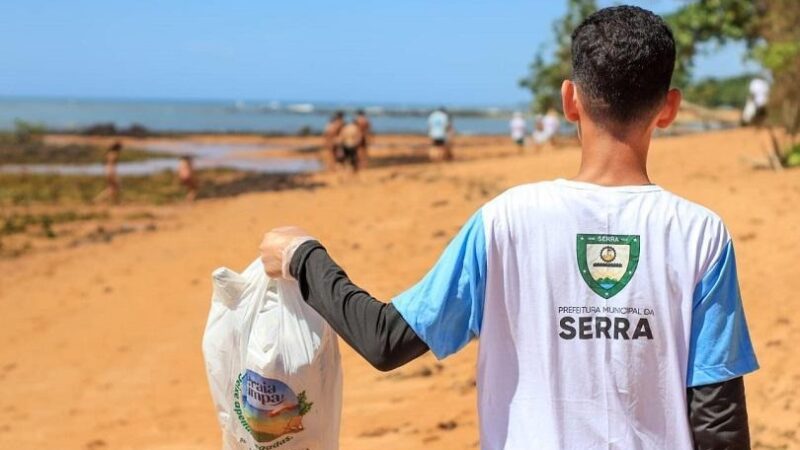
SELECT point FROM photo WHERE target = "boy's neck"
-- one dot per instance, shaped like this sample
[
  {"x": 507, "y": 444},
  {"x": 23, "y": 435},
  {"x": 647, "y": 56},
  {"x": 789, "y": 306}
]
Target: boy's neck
[{"x": 609, "y": 160}]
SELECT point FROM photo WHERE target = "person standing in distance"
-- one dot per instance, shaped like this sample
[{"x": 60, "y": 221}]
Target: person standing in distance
[
  {"x": 330, "y": 136},
  {"x": 439, "y": 131},
  {"x": 365, "y": 127},
  {"x": 519, "y": 128}
]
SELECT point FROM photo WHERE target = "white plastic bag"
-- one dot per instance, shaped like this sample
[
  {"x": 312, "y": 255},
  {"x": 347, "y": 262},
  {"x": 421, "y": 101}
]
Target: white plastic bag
[{"x": 273, "y": 365}]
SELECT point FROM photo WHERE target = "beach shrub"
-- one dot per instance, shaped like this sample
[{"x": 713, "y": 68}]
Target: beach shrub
[
  {"x": 101, "y": 129},
  {"x": 715, "y": 92},
  {"x": 137, "y": 130},
  {"x": 550, "y": 68},
  {"x": 27, "y": 132},
  {"x": 793, "y": 157}
]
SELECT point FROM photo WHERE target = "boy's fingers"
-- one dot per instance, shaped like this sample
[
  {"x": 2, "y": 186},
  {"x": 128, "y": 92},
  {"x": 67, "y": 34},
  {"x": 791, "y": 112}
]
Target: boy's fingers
[{"x": 274, "y": 248}]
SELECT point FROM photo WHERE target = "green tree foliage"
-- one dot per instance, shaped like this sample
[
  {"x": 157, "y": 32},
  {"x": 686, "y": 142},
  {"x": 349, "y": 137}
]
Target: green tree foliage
[
  {"x": 771, "y": 29},
  {"x": 546, "y": 73},
  {"x": 716, "y": 21},
  {"x": 716, "y": 92}
]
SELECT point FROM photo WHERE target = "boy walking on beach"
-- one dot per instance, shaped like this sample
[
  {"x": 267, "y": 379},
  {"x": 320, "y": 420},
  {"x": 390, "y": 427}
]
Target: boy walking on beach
[
  {"x": 112, "y": 190},
  {"x": 608, "y": 309}
]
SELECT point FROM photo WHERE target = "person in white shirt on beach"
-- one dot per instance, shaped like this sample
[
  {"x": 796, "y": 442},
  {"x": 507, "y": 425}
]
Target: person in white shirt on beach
[
  {"x": 546, "y": 129},
  {"x": 519, "y": 128},
  {"x": 755, "y": 109},
  {"x": 607, "y": 309},
  {"x": 440, "y": 130}
]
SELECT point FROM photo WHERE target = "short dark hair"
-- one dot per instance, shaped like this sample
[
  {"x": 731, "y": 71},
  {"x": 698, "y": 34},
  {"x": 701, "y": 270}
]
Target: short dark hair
[
  {"x": 360, "y": 112},
  {"x": 116, "y": 147},
  {"x": 622, "y": 63}
]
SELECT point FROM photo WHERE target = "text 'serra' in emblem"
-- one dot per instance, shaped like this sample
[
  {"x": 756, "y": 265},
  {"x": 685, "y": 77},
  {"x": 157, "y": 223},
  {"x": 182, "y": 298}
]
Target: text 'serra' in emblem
[{"x": 607, "y": 261}]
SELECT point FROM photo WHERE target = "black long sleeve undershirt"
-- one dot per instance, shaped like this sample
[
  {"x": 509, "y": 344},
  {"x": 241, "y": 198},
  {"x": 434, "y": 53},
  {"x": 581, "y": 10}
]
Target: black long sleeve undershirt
[
  {"x": 373, "y": 328},
  {"x": 377, "y": 331},
  {"x": 718, "y": 416}
]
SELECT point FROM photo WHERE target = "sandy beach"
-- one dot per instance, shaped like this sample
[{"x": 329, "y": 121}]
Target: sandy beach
[{"x": 101, "y": 342}]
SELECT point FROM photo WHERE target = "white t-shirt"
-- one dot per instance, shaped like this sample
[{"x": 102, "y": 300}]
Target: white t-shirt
[
  {"x": 518, "y": 128},
  {"x": 759, "y": 90},
  {"x": 438, "y": 123},
  {"x": 595, "y": 308},
  {"x": 550, "y": 124}
]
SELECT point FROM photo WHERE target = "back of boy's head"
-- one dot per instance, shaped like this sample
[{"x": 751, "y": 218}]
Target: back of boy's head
[{"x": 622, "y": 63}]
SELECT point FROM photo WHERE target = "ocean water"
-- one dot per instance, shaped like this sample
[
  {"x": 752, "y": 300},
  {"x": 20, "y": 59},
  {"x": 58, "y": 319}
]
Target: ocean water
[
  {"x": 206, "y": 156},
  {"x": 209, "y": 116},
  {"x": 221, "y": 116}
]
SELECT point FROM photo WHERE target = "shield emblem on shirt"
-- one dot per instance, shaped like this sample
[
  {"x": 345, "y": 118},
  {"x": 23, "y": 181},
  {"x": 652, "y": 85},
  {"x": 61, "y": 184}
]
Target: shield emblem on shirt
[{"x": 607, "y": 262}]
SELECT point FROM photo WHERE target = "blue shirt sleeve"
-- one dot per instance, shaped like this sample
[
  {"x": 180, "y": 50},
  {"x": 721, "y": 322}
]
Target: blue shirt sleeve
[
  {"x": 446, "y": 307},
  {"x": 720, "y": 347}
]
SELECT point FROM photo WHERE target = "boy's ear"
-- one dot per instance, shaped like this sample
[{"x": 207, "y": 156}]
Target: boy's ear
[
  {"x": 670, "y": 109},
  {"x": 569, "y": 100}
]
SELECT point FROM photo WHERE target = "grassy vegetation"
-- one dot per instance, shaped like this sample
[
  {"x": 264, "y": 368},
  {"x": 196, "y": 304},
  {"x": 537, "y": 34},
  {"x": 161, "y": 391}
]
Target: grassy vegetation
[
  {"x": 25, "y": 145},
  {"x": 24, "y": 189},
  {"x": 37, "y": 152},
  {"x": 793, "y": 157},
  {"x": 16, "y": 223},
  {"x": 155, "y": 189}
]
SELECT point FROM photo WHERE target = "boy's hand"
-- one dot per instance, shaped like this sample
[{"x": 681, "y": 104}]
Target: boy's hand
[{"x": 278, "y": 247}]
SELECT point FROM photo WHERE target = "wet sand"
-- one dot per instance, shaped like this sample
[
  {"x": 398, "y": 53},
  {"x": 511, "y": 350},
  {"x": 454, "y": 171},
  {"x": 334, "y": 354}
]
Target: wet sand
[{"x": 101, "y": 342}]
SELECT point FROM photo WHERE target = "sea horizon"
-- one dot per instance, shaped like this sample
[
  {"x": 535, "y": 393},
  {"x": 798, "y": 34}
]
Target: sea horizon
[{"x": 67, "y": 114}]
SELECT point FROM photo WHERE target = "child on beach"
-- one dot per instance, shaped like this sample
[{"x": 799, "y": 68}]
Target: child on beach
[
  {"x": 187, "y": 178},
  {"x": 608, "y": 309},
  {"x": 112, "y": 190}
]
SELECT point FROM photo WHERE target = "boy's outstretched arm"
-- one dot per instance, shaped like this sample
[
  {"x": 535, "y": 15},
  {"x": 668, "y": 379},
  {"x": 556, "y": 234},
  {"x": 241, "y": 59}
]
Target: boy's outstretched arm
[
  {"x": 376, "y": 330},
  {"x": 718, "y": 416},
  {"x": 441, "y": 313}
]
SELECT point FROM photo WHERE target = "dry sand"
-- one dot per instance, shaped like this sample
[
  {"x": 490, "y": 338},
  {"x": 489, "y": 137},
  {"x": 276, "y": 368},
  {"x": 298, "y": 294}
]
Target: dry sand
[{"x": 101, "y": 343}]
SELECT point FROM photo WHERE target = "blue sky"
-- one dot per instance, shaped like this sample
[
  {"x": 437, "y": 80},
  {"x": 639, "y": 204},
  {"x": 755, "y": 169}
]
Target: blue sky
[{"x": 409, "y": 51}]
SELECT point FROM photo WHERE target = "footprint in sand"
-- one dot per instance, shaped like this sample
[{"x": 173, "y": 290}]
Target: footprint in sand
[
  {"x": 747, "y": 237},
  {"x": 448, "y": 425},
  {"x": 378, "y": 432},
  {"x": 96, "y": 444}
]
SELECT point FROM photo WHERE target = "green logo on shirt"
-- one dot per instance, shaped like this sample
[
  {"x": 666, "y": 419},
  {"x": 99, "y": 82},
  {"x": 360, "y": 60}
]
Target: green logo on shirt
[{"x": 607, "y": 261}]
